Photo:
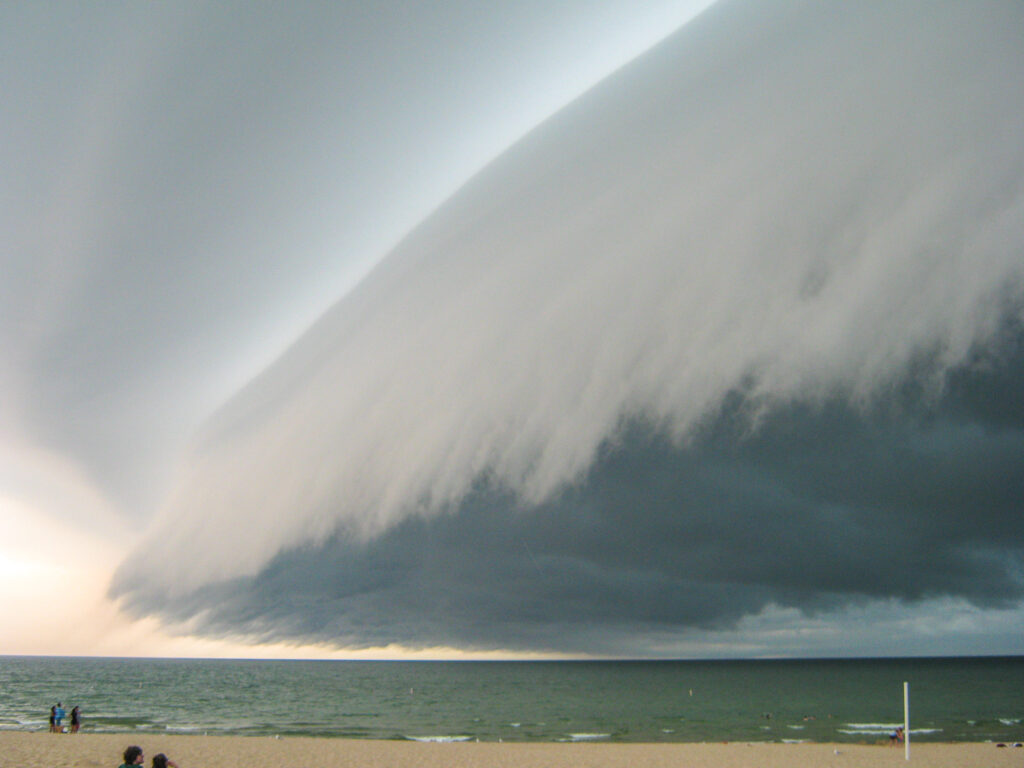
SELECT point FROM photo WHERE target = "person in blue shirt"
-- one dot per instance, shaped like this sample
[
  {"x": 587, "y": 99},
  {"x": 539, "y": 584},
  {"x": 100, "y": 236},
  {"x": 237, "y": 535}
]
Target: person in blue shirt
[{"x": 58, "y": 716}]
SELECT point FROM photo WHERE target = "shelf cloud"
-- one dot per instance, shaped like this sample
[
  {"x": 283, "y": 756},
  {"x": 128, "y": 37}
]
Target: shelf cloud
[{"x": 737, "y": 331}]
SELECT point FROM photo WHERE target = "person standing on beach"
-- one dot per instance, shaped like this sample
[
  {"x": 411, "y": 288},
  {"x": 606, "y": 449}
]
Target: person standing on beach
[
  {"x": 76, "y": 718},
  {"x": 53, "y": 719},
  {"x": 58, "y": 718},
  {"x": 132, "y": 756}
]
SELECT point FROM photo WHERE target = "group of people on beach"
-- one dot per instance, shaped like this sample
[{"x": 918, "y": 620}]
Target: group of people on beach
[
  {"x": 57, "y": 714},
  {"x": 133, "y": 756}
]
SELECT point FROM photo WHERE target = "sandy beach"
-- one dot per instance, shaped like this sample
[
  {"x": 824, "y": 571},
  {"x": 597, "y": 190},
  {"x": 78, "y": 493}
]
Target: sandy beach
[{"x": 84, "y": 750}]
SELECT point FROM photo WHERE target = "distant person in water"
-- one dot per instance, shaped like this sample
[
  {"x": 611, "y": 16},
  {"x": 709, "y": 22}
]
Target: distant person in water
[
  {"x": 161, "y": 761},
  {"x": 132, "y": 756},
  {"x": 76, "y": 718},
  {"x": 896, "y": 736}
]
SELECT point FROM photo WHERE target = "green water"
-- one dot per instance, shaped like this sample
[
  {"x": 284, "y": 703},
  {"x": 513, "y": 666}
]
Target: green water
[{"x": 794, "y": 700}]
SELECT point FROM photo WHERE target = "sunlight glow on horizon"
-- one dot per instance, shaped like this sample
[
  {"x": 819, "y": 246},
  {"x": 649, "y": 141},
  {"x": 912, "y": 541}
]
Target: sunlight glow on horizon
[{"x": 54, "y": 576}]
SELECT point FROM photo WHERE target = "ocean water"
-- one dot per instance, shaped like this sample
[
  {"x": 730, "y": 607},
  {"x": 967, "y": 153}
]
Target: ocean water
[{"x": 978, "y": 699}]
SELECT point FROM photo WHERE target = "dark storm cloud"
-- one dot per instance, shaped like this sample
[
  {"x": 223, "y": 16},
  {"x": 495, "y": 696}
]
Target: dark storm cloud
[
  {"x": 736, "y": 333},
  {"x": 816, "y": 509}
]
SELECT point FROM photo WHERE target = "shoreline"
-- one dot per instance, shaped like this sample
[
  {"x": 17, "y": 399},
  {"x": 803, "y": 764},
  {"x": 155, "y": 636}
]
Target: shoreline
[{"x": 104, "y": 750}]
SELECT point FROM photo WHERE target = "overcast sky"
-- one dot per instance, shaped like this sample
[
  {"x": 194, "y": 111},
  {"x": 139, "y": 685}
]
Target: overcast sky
[{"x": 520, "y": 329}]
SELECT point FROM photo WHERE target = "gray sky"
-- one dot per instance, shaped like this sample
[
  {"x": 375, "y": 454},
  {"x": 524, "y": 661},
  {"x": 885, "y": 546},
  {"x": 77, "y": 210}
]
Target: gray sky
[
  {"x": 188, "y": 186},
  {"x": 720, "y": 359}
]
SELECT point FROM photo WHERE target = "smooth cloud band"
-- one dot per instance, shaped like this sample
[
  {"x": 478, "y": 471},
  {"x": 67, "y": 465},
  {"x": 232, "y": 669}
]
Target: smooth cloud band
[{"x": 794, "y": 206}]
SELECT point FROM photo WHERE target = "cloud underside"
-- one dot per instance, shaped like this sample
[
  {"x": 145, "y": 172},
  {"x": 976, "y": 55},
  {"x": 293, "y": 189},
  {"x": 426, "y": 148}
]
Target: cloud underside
[
  {"x": 739, "y": 328},
  {"x": 817, "y": 509}
]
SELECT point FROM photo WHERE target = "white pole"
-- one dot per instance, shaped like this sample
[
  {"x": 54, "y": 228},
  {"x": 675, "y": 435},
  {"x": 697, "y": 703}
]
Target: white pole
[{"x": 906, "y": 720}]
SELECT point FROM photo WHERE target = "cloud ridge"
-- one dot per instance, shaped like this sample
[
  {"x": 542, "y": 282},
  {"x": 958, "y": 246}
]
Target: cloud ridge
[{"x": 795, "y": 204}]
